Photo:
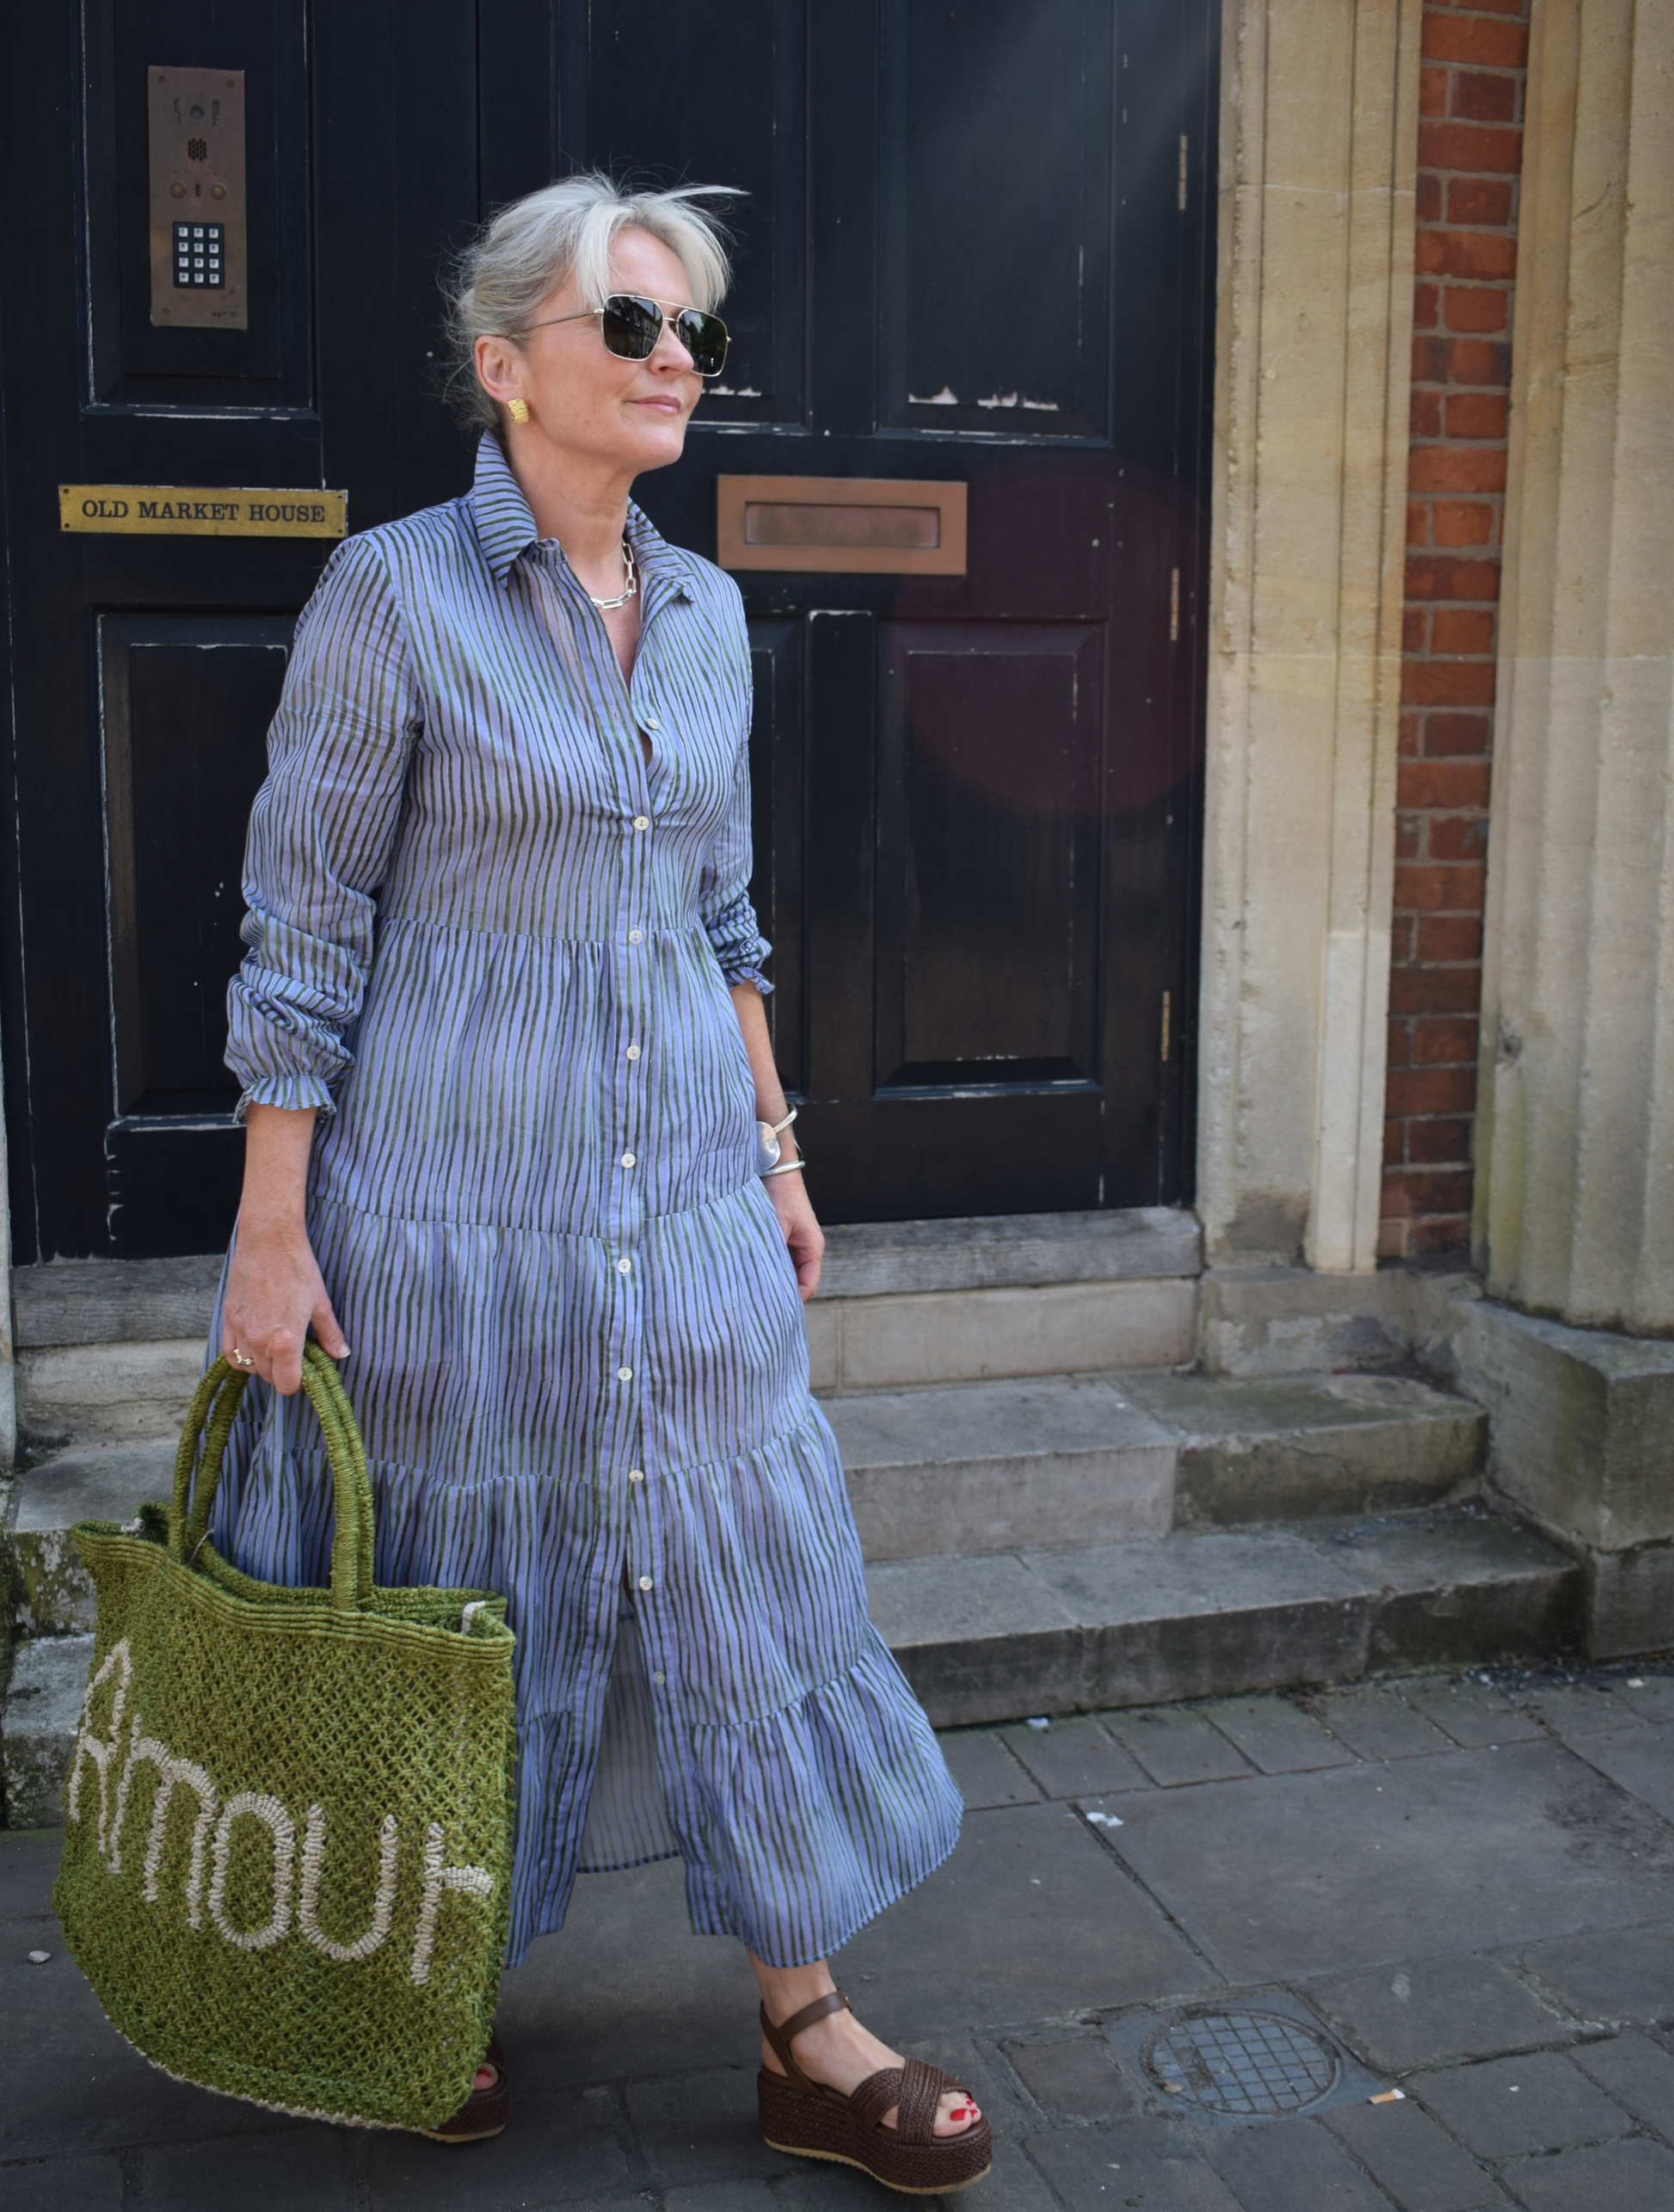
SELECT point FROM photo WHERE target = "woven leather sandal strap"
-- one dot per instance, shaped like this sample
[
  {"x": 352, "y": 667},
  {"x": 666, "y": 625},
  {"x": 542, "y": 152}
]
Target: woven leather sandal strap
[
  {"x": 921, "y": 2091},
  {"x": 780, "y": 2038},
  {"x": 876, "y": 2094},
  {"x": 915, "y": 2089}
]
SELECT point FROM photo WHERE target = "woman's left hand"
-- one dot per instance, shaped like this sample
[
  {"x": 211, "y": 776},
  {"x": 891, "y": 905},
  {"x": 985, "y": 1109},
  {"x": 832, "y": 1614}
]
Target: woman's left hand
[{"x": 803, "y": 1237}]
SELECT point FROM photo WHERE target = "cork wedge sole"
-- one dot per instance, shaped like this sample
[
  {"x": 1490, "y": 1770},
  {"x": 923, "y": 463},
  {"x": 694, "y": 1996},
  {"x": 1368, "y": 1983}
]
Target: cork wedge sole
[{"x": 807, "y": 2120}]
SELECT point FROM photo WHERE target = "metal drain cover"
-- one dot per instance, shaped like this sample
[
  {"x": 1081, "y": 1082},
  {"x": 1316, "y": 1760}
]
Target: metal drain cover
[{"x": 1246, "y": 2063}]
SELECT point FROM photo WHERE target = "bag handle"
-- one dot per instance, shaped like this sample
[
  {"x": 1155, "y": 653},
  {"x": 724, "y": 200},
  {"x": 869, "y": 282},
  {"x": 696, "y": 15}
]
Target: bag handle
[{"x": 215, "y": 1406}]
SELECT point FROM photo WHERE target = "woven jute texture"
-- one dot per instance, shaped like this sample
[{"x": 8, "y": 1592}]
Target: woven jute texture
[{"x": 288, "y": 1857}]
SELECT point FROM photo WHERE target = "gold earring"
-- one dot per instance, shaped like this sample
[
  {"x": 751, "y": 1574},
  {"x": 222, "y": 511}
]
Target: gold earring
[{"x": 518, "y": 409}]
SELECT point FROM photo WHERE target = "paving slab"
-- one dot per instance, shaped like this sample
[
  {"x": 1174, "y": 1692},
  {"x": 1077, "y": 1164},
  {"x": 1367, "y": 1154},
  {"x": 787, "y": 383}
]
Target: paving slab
[
  {"x": 66, "y": 2184},
  {"x": 1642, "y": 1762},
  {"x": 986, "y": 1772},
  {"x": 702, "y": 2127},
  {"x": 1030, "y": 1920},
  {"x": 1507, "y": 2107},
  {"x": 627, "y": 1989},
  {"x": 28, "y": 1868},
  {"x": 304, "y": 2170},
  {"x": 1609, "y": 1974},
  {"x": 721, "y": 2197},
  {"x": 1580, "y": 1709},
  {"x": 1408, "y": 2154},
  {"x": 561, "y": 2147},
  {"x": 73, "y": 2086},
  {"x": 1096, "y": 2169},
  {"x": 1290, "y": 2164},
  {"x": 1651, "y": 1696},
  {"x": 1474, "y": 1714},
  {"x": 1075, "y": 1758},
  {"x": 1310, "y": 1874},
  {"x": 1378, "y": 1723},
  {"x": 1276, "y": 1735},
  {"x": 1078, "y": 2076},
  {"x": 979, "y": 1252},
  {"x": 1634, "y": 2177},
  {"x": 1428, "y": 2010},
  {"x": 1176, "y": 1745},
  {"x": 1637, "y": 2073}
]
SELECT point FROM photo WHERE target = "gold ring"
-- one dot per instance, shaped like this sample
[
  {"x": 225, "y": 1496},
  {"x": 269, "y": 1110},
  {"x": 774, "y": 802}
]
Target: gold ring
[{"x": 240, "y": 1358}]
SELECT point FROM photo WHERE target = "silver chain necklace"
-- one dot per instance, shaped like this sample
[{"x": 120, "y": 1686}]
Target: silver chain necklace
[{"x": 609, "y": 605}]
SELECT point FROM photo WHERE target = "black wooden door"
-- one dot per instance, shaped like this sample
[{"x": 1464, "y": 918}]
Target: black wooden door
[{"x": 976, "y": 247}]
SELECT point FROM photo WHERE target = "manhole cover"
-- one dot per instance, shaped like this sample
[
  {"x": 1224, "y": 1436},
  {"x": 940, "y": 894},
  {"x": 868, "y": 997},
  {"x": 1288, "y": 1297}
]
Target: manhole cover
[{"x": 1241, "y": 2062}]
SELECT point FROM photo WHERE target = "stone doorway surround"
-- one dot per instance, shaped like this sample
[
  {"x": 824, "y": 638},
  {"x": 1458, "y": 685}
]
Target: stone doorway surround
[{"x": 1319, "y": 153}]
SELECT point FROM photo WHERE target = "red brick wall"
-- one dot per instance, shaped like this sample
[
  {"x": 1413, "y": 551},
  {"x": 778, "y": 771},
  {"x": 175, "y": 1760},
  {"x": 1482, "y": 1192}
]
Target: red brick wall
[{"x": 1470, "y": 138}]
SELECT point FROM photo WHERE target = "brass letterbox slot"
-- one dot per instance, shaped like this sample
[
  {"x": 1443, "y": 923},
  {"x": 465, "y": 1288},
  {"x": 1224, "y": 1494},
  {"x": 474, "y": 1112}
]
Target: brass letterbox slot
[
  {"x": 198, "y": 256},
  {"x": 858, "y": 526}
]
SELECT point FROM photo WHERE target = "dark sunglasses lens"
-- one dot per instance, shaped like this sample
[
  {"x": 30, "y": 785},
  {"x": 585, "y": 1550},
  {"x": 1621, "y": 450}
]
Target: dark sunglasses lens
[
  {"x": 631, "y": 326},
  {"x": 705, "y": 337}
]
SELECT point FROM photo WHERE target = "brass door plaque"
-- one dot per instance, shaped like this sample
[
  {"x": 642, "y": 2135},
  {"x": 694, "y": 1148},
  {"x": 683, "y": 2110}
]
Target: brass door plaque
[
  {"x": 174, "y": 511},
  {"x": 858, "y": 526},
  {"x": 198, "y": 257}
]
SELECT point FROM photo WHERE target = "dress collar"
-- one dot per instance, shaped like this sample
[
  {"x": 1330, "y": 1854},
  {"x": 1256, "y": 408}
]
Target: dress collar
[{"x": 506, "y": 531}]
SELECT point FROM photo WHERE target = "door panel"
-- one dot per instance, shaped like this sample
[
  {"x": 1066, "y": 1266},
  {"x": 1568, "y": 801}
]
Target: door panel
[
  {"x": 995, "y": 158},
  {"x": 989, "y": 855},
  {"x": 186, "y": 703}
]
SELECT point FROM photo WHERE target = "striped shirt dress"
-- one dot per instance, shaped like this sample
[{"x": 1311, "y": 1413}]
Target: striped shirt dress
[{"x": 493, "y": 944}]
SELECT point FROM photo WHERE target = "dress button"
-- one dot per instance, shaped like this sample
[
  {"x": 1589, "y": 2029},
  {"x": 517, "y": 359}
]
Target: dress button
[
  {"x": 624, "y": 1374},
  {"x": 644, "y": 1581},
  {"x": 624, "y": 1266},
  {"x": 627, "y": 1159},
  {"x": 635, "y": 1474},
  {"x": 641, "y": 822},
  {"x": 633, "y": 1052},
  {"x": 651, "y": 723},
  {"x": 658, "y": 1679},
  {"x": 635, "y": 937}
]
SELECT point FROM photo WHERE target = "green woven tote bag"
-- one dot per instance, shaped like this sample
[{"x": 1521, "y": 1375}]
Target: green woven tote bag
[{"x": 287, "y": 1856}]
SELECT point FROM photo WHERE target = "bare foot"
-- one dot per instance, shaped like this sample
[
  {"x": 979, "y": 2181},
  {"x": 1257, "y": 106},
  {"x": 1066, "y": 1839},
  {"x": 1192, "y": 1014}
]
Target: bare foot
[{"x": 839, "y": 2053}]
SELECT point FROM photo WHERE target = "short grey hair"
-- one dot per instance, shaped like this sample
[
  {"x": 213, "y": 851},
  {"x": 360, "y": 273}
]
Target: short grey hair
[{"x": 496, "y": 287}]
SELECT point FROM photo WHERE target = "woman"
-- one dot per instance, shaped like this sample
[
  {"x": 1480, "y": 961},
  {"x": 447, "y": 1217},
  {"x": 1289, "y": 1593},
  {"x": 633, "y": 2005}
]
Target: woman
[{"x": 503, "y": 1049}]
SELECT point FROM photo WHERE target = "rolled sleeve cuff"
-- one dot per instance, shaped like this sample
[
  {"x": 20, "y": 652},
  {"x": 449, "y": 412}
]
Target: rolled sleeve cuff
[{"x": 295, "y": 1094}]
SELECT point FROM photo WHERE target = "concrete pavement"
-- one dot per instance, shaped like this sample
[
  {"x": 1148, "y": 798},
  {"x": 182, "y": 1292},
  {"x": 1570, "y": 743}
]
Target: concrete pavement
[{"x": 1177, "y": 1955}]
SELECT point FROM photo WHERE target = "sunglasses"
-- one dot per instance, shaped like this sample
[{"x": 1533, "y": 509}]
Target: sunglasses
[{"x": 631, "y": 326}]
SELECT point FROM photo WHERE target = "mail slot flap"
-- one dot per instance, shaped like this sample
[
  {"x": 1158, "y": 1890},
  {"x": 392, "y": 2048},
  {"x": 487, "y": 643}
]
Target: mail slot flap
[{"x": 879, "y": 525}]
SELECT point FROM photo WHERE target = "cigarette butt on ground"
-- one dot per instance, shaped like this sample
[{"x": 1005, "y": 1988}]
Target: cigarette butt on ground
[{"x": 1389, "y": 2096}]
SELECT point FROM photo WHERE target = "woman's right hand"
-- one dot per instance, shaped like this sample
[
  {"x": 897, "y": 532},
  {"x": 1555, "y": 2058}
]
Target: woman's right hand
[
  {"x": 274, "y": 1291},
  {"x": 274, "y": 1297}
]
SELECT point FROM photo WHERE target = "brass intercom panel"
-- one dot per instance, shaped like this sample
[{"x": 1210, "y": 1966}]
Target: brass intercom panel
[{"x": 198, "y": 256}]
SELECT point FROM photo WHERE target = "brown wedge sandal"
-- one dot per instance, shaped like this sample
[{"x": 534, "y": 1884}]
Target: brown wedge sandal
[
  {"x": 485, "y": 2111},
  {"x": 802, "y": 2116}
]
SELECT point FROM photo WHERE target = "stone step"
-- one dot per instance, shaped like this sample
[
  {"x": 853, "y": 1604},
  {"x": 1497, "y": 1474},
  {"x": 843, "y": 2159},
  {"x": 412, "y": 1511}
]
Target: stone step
[
  {"x": 969, "y": 1468},
  {"x": 975, "y": 1467},
  {"x": 110, "y": 1351},
  {"x": 1218, "y": 1613},
  {"x": 38, "y": 1721},
  {"x": 904, "y": 1303},
  {"x": 1086, "y": 1627}
]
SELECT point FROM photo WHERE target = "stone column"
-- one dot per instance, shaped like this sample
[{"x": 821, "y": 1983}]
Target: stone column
[
  {"x": 1319, "y": 151},
  {"x": 1575, "y": 1186}
]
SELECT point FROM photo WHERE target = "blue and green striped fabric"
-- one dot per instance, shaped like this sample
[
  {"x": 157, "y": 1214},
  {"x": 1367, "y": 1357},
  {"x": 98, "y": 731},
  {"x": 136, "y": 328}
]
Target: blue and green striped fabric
[{"x": 493, "y": 945}]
